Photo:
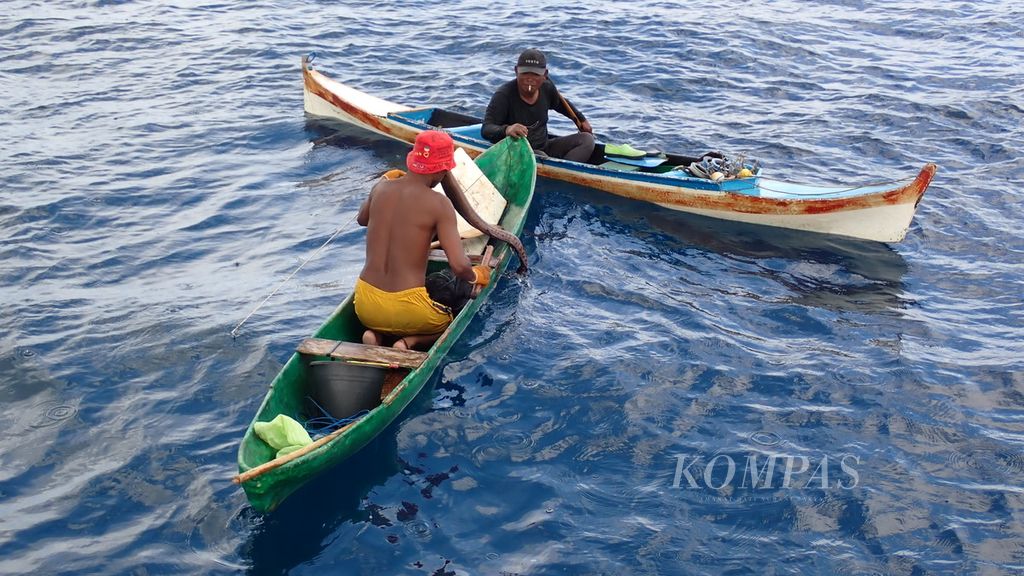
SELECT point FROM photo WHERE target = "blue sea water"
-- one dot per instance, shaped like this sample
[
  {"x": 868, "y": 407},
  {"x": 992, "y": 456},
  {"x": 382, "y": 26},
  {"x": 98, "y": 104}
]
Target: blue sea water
[{"x": 604, "y": 413}]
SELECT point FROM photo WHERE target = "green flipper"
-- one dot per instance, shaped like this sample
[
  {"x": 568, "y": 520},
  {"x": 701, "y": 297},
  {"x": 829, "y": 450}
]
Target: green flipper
[{"x": 623, "y": 150}]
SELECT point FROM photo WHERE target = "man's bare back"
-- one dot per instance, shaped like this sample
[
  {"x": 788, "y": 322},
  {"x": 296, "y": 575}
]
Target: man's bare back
[{"x": 402, "y": 217}]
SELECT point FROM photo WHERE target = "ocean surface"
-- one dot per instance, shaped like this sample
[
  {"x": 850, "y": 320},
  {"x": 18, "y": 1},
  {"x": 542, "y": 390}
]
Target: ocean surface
[{"x": 611, "y": 412}]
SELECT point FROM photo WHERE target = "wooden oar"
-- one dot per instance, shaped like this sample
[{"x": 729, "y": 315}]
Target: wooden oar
[
  {"x": 277, "y": 462},
  {"x": 575, "y": 118}
]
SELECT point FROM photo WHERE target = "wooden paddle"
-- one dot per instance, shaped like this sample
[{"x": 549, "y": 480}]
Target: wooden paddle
[{"x": 575, "y": 118}]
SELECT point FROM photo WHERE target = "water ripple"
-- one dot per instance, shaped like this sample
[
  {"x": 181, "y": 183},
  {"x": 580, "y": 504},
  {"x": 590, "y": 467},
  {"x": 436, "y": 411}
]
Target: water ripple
[{"x": 159, "y": 178}]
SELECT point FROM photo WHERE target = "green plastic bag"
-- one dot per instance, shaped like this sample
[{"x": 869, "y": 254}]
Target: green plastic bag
[
  {"x": 283, "y": 434},
  {"x": 288, "y": 450}
]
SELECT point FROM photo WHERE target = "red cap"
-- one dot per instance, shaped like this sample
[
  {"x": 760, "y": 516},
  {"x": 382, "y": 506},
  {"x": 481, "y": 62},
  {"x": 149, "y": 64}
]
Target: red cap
[{"x": 432, "y": 152}]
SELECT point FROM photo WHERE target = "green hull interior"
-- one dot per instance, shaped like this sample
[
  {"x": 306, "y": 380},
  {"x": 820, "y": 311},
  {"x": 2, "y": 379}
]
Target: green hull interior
[{"x": 510, "y": 166}]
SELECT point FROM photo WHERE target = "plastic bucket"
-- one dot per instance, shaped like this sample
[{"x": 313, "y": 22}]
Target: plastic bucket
[{"x": 343, "y": 389}]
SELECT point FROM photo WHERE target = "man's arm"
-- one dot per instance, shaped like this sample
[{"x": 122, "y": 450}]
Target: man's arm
[
  {"x": 451, "y": 243},
  {"x": 363, "y": 217},
  {"x": 494, "y": 119}
]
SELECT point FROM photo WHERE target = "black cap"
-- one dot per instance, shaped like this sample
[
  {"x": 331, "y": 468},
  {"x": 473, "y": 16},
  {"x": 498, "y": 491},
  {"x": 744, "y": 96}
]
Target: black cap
[{"x": 532, "y": 60}]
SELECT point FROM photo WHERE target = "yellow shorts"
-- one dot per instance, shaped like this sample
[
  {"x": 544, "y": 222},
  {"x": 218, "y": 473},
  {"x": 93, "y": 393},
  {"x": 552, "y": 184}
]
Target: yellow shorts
[{"x": 402, "y": 313}]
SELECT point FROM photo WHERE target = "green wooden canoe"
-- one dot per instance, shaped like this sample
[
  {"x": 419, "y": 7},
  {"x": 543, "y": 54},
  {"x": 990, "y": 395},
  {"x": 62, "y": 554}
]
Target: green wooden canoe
[{"x": 511, "y": 168}]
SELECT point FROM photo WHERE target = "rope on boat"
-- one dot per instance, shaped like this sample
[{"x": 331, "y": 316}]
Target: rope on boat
[
  {"x": 326, "y": 424},
  {"x": 234, "y": 333}
]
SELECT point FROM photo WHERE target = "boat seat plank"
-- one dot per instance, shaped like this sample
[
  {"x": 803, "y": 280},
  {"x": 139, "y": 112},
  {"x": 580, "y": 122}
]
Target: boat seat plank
[
  {"x": 438, "y": 255},
  {"x": 352, "y": 351}
]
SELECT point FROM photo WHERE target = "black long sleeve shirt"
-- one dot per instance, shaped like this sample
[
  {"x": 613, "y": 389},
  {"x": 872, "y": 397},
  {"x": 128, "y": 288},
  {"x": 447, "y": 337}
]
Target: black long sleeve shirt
[{"x": 506, "y": 108}]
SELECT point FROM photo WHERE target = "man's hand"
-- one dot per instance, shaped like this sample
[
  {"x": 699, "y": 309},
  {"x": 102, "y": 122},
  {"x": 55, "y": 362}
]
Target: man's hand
[
  {"x": 483, "y": 275},
  {"x": 517, "y": 130},
  {"x": 585, "y": 127}
]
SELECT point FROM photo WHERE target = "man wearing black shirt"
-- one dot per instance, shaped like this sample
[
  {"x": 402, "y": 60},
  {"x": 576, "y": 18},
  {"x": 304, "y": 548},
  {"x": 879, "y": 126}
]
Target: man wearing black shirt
[{"x": 520, "y": 108}]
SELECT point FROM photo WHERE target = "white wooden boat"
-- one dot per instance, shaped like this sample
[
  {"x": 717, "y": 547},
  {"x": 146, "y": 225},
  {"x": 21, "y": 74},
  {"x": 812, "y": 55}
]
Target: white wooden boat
[{"x": 880, "y": 212}]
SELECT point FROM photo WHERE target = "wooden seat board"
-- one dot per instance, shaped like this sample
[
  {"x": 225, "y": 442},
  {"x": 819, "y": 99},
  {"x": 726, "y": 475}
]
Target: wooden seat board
[{"x": 361, "y": 352}]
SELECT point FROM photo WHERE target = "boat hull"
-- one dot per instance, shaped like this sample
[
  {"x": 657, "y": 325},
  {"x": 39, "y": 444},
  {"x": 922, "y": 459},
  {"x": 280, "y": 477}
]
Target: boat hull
[
  {"x": 879, "y": 212},
  {"x": 510, "y": 167}
]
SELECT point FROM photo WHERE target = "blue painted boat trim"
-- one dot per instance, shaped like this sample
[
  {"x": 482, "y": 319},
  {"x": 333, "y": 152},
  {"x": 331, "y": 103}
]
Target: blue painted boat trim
[{"x": 758, "y": 186}]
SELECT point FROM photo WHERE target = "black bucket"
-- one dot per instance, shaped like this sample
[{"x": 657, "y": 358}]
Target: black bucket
[{"x": 344, "y": 389}]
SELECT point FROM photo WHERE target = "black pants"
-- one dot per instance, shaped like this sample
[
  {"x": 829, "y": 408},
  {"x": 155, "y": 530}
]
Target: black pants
[{"x": 576, "y": 147}]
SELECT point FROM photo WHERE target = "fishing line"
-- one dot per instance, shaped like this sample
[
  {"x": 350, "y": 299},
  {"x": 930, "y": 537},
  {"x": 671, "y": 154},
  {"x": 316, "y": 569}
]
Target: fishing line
[{"x": 234, "y": 333}]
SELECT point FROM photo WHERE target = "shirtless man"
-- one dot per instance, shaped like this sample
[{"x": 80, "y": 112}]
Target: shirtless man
[{"x": 402, "y": 217}]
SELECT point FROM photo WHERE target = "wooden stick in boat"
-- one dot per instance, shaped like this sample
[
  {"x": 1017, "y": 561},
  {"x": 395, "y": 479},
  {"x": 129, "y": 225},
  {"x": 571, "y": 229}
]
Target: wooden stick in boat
[
  {"x": 575, "y": 118},
  {"x": 488, "y": 253},
  {"x": 277, "y": 462}
]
